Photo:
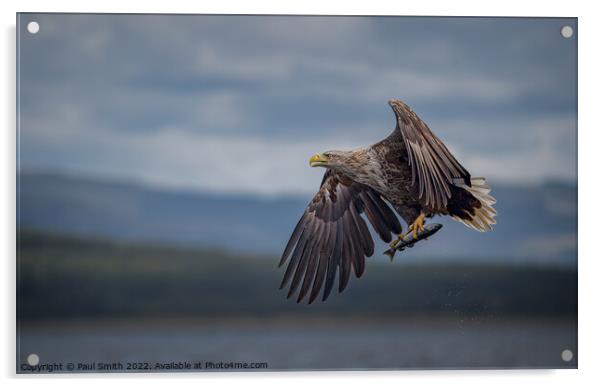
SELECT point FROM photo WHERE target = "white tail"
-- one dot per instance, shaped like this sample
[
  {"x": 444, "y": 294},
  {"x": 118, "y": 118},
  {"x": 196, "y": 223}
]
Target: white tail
[{"x": 484, "y": 217}]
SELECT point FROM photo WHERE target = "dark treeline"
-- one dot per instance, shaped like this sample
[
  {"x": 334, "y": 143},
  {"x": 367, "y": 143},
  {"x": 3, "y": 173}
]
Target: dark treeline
[{"x": 63, "y": 277}]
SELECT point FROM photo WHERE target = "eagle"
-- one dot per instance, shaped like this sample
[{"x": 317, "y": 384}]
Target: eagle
[{"x": 411, "y": 173}]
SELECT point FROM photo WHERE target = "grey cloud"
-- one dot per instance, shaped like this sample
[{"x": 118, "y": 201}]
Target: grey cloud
[{"x": 97, "y": 90}]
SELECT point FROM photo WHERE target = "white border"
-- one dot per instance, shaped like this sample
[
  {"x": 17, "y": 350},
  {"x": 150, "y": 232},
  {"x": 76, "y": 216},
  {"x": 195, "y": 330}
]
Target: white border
[{"x": 590, "y": 190}]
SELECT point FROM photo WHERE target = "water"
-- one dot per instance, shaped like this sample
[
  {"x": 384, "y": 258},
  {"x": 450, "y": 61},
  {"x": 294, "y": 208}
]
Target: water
[{"x": 336, "y": 344}]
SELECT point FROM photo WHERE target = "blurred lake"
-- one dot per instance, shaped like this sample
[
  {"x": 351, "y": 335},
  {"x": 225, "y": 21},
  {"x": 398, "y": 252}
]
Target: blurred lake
[{"x": 317, "y": 345}]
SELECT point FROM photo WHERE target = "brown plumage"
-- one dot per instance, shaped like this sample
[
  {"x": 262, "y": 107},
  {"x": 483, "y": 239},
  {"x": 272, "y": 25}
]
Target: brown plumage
[{"x": 412, "y": 170}]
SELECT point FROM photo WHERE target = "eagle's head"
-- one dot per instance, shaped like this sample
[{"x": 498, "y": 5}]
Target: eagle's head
[
  {"x": 333, "y": 159},
  {"x": 356, "y": 164}
]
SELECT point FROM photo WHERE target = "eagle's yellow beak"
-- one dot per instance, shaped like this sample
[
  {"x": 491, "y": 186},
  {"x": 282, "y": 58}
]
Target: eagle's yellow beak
[{"x": 318, "y": 160}]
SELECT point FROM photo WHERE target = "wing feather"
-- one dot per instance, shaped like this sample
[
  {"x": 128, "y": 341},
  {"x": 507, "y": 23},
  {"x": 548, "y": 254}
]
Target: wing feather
[
  {"x": 345, "y": 264},
  {"x": 433, "y": 166},
  {"x": 375, "y": 217},
  {"x": 389, "y": 216},
  {"x": 299, "y": 228},
  {"x": 310, "y": 273},
  {"x": 298, "y": 252},
  {"x": 302, "y": 266},
  {"x": 333, "y": 261},
  {"x": 325, "y": 252}
]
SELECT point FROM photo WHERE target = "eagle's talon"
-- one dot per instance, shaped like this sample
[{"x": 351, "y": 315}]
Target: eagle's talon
[{"x": 418, "y": 225}]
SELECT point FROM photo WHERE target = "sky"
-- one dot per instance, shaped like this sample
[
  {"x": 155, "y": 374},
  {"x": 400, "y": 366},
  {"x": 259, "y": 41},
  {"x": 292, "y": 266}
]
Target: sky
[{"x": 239, "y": 103}]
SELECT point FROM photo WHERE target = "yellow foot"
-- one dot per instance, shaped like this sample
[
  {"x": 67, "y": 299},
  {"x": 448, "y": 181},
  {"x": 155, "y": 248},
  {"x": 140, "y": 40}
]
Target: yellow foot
[{"x": 417, "y": 225}]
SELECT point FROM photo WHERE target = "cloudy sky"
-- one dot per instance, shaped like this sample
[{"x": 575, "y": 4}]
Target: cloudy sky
[{"x": 239, "y": 103}]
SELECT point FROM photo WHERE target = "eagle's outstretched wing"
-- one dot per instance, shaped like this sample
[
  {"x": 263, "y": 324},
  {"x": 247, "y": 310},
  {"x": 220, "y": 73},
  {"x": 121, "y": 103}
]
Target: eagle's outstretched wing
[
  {"x": 434, "y": 168},
  {"x": 331, "y": 235}
]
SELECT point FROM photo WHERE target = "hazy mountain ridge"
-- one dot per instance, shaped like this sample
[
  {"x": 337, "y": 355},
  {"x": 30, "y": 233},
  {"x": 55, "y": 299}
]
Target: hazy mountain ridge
[{"x": 534, "y": 223}]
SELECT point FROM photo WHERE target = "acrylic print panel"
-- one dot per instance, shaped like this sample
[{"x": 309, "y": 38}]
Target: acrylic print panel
[{"x": 163, "y": 168}]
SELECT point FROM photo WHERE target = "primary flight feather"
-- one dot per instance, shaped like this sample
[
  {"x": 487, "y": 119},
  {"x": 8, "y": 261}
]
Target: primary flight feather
[{"x": 412, "y": 170}]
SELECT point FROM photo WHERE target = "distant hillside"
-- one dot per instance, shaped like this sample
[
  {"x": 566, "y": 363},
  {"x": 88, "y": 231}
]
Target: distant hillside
[
  {"x": 65, "y": 277},
  {"x": 535, "y": 224}
]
